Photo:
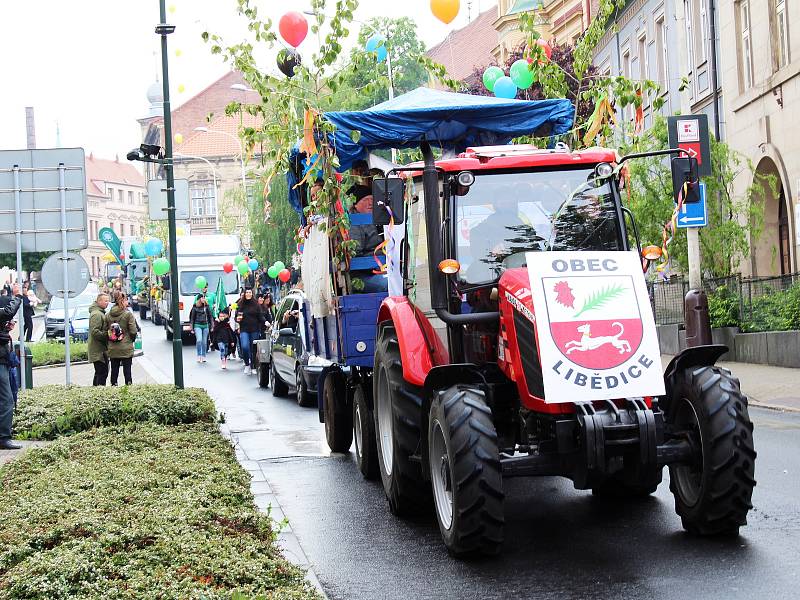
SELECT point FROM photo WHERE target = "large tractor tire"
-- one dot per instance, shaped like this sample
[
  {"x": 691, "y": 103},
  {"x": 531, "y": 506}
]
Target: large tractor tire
[
  {"x": 465, "y": 471},
  {"x": 278, "y": 385},
  {"x": 364, "y": 432},
  {"x": 398, "y": 414},
  {"x": 338, "y": 416},
  {"x": 713, "y": 493}
]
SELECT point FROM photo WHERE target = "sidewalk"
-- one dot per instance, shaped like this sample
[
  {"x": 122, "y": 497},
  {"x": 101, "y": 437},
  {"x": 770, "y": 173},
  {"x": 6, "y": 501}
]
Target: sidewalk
[
  {"x": 82, "y": 374},
  {"x": 769, "y": 387}
]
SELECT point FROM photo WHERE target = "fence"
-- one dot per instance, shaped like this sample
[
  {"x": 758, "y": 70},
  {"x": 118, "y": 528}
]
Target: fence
[{"x": 667, "y": 296}]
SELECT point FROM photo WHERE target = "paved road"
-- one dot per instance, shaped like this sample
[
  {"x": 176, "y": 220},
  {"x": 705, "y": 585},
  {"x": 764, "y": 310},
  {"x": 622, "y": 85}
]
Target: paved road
[{"x": 561, "y": 543}]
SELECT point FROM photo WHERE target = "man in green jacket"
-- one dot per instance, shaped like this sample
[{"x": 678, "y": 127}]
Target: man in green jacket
[{"x": 98, "y": 339}]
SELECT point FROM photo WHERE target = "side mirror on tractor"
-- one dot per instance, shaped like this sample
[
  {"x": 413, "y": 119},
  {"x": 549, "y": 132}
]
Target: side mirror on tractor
[
  {"x": 387, "y": 193},
  {"x": 685, "y": 179}
]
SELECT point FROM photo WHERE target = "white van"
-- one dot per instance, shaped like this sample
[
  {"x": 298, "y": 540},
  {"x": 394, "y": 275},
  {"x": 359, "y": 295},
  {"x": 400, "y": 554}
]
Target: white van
[{"x": 199, "y": 255}]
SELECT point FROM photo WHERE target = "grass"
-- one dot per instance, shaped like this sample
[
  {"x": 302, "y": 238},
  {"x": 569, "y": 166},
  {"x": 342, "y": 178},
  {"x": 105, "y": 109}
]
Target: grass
[
  {"x": 52, "y": 352},
  {"x": 143, "y": 499}
]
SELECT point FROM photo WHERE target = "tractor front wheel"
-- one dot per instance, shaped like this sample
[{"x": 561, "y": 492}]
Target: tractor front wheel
[
  {"x": 364, "y": 432},
  {"x": 712, "y": 492},
  {"x": 465, "y": 472}
]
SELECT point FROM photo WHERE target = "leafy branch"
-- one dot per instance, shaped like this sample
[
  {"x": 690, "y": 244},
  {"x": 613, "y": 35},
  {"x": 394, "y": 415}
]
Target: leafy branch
[{"x": 599, "y": 298}]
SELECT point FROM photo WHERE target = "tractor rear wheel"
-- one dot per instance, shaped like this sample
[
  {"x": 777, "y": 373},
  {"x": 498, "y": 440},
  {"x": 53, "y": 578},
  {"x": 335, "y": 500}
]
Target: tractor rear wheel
[
  {"x": 465, "y": 472},
  {"x": 364, "y": 432},
  {"x": 338, "y": 418},
  {"x": 398, "y": 414},
  {"x": 713, "y": 492}
]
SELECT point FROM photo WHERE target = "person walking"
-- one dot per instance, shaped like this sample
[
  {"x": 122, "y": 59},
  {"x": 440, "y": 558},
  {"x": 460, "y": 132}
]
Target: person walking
[
  {"x": 200, "y": 319},
  {"x": 250, "y": 319},
  {"x": 223, "y": 338},
  {"x": 27, "y": 311},
  {"x": 122, "y": 332},
  {"x": 7, "y": 312},
  {"x": 98, "y": 339}
]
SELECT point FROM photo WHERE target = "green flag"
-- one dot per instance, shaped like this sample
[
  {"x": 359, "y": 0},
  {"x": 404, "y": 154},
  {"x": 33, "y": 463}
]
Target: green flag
[
  {"x": 220, "y": 301},
  {"x": 111, "y": 241}
]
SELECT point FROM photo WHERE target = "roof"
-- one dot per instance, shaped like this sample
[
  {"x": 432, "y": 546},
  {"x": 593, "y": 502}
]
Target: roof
[
  {"x": 468, "y": 48},
  {"x": 100, "y": 171},
  {"x": 221, "y": 139},
  {"x": 520, "y": 156}
]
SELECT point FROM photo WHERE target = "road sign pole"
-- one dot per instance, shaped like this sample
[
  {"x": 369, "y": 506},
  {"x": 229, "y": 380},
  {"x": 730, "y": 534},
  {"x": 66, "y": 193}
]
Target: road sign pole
[
  {"x": 62, "y": 191},
  {"x": 177, "y": 344},
  {"x": 21, "y": 322},
  {"x": 693, "y": 240}
]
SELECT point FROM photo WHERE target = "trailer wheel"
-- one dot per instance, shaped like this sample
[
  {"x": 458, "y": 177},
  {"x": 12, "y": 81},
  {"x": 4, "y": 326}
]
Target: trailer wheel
[
  {"x": 143, "y": 312},
  {"x": 713, "y": 493},
  {"x": 338, "y": 419},
  {"x": 156, "y": 318},
  {"x": 303, "y": 397},
  {"x": 465, "y": 472},
  {"x": 263, "y": 375},
  {"x": 364, "y": 432},
  {"x": 398, "y": 414},
  {"x": 167, "y": 333},
  {"x": 279, "y": 387}
]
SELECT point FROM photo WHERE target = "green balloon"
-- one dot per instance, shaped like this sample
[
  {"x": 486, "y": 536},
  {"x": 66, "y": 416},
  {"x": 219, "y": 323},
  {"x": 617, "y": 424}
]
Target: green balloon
[
  {"x": 200, "y": 282},
  {"x": 490, "y": 76},
  {"x": 243, "y": 268},
  {"x": 239, "y": 258},
  {"x": 273, "y": 272},
  {"x": 161, "y": 266},
  {"x": 521, "y": 74},
  {"x": 279, "y": 265}
]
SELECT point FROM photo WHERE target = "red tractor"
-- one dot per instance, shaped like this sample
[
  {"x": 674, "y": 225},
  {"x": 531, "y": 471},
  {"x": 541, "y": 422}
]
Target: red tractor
[{"x": 460, "y": 394}]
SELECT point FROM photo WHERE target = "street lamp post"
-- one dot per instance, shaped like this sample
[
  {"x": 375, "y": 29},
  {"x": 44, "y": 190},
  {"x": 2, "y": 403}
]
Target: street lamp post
[{"x": 214, "y": 176}]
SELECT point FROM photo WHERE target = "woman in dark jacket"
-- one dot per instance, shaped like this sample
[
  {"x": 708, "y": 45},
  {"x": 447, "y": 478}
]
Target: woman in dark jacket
[
  {"x": 250, "y": 319},
  {"x": 201, "y": 319}
]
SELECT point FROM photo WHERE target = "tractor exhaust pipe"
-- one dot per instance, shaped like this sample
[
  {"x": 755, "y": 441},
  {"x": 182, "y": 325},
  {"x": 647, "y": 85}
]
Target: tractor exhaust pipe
[{"x": 698, "y": 321}]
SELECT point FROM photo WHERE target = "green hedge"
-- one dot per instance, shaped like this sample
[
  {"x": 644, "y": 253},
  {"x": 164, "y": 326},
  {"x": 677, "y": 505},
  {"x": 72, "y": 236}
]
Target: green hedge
[
  {"x": 777, "y": 310},
  {"x": 49, "y": 411},
  {"x": 139, "y": 511},
  {"x": 53, "y": 353}
]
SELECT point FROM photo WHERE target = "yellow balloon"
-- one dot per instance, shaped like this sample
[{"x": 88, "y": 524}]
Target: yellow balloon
[
  {"x": 180, "y": 231},
  {"x": 178, "y": 52},
  {"x": 181, "y": 88},
  {"x": 178, "y": 138},
  {"x": 171, "y": 8},
  {"x": 445, "y": 10}
]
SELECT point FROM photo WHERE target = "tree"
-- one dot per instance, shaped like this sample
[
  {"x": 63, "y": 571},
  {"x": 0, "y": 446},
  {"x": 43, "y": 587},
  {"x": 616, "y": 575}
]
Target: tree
[
  {"x": 273, "y": 232},
  {"x": 31, "y": 261}
]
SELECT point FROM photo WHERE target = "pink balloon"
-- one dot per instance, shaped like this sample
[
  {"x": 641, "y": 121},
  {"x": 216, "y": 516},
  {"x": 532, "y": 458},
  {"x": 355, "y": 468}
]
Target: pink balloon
[{"x": 293, "y": 28}]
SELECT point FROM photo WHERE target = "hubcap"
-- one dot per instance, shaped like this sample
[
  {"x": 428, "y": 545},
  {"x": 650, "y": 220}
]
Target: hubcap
[
  {"x": 299, "y": 386},
  {"x": 383, "y": 406},
  {"x": 689, "y": 477},
  {"x": 441, "y": 474},
  {"x": 357, "y": 433}
]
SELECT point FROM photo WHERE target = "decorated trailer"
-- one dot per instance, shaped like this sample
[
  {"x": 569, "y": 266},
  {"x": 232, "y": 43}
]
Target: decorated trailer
[{"x": 515, "y": 337}]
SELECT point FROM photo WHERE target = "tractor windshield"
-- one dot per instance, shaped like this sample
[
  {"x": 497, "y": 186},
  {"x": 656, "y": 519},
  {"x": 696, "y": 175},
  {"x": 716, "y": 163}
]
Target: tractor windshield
[{"x": 503, "y": 215}]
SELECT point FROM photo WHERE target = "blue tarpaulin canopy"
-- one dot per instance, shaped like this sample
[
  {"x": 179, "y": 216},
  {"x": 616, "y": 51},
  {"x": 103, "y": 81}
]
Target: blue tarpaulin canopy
[{"x": 444, "y": 119}]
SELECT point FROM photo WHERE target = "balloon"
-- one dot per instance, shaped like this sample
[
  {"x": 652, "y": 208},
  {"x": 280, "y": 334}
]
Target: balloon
[
  {"x": 153, "y": 247},
  {"x": 445, "y": 10},
  {"x": 243, "y": 268},
  {"x": 521, "y": 74},
  {"x": 179, "y": 138},
  {"x": 273, "y": 272},
  {"x": 288, "y": 59},
  {"x": 138, "y": 250},
  {"x": 180, "y": 231},
  {"x": 239, "y": 258},
  {"x": 377, "y": 44},
  {"x": 279, "y": 265},
  {"x": 548, "y": 50},
  {"x": 200, "y": 282},
  {"x": 490, "y": 77},
  {"x": 284, "y": 275},
  {"x": 505, "y": 88},
  {"x": 161, "y": 266},
  {"x": 227, "y": 267},
  {"x": 293, "y": 28},
  {"x": 178, "y": 52},
  {"x": 234, "y": 305},
  {"x": 181, "y": 88},
  {"x": 253, "y": 264}
]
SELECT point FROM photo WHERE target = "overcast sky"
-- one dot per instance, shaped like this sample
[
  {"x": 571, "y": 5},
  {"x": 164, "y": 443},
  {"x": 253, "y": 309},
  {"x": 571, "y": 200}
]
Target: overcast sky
[{"x": 87, "y": 64}]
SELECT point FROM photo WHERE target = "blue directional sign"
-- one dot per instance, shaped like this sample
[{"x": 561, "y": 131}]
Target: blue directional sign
[{"x": 694, "y": 215}]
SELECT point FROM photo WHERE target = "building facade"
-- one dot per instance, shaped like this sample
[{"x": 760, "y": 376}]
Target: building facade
[
  {"x": 761, "y": 74},
  {"x": 116, "y": 198}
]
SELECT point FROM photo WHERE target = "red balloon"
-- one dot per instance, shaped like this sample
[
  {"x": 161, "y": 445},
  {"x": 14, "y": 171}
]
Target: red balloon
[
  {"x": 548, "y": 50},
  {"x": 293, "y": 28},
  {"x": 227, "y": 267},
  {"x": 284, "y": 275}
]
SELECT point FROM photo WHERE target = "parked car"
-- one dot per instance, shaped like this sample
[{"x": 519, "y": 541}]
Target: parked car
[
  {"x": 291, "y": 367},
  {"x": 54, "y": 318},
  {"x": 79, "y": 323}
]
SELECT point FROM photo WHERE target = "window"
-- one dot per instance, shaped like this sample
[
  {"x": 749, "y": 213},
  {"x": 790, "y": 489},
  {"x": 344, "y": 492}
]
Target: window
[
  {"x": 120, "y": 196},
  {"x": 141, "y": 198},
  {"x": 782, "y": 37},
  {"x": 230, "y": 281},
  {"x": 644, "y": 65},
  {"x": 661, "y": 52},
  {"x": 111, "y": 225},
  {"x": 746, "y": 42},
  {"x": 141, "y": 230},
  {"x": 131, "y": 226},
  {"x": 203, "y": 201},
  {"x": 110, "y": 191},
  {"x": 626, "y": 72},
  {"x": 130, "y": 197}
]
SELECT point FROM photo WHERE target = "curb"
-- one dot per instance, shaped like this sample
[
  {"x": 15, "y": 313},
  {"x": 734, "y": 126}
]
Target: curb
[{"x": 775, "y": 407}]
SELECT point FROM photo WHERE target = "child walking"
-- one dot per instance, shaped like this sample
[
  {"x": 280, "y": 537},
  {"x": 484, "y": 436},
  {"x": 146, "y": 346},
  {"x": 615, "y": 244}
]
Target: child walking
[{"x": 223, "y": 338}]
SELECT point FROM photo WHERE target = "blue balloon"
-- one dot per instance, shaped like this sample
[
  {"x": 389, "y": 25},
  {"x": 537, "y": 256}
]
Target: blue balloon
[
  {"x": 253, "y": 264},
  {"x": 153, "y": 247},
  {"x": 377, "y": 44},
  {"x": 505, "y": 88},
  {"x": 382, "y": 52}
]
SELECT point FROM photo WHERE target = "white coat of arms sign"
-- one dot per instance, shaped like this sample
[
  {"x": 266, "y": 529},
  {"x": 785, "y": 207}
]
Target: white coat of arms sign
[{"x": 596, "y": 333}]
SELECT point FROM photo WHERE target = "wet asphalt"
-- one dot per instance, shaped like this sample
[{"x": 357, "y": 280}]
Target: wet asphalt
[{"x": 560, "y": 543}]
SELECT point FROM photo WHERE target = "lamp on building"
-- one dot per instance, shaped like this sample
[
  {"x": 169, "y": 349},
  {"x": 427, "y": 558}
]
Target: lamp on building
[
  {"x": 241, "y": 146},
  {"x": 214, "y": 177}
]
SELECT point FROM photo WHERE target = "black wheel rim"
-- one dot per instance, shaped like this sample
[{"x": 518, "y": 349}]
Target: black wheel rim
[{"x": 689, "y": 477}]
